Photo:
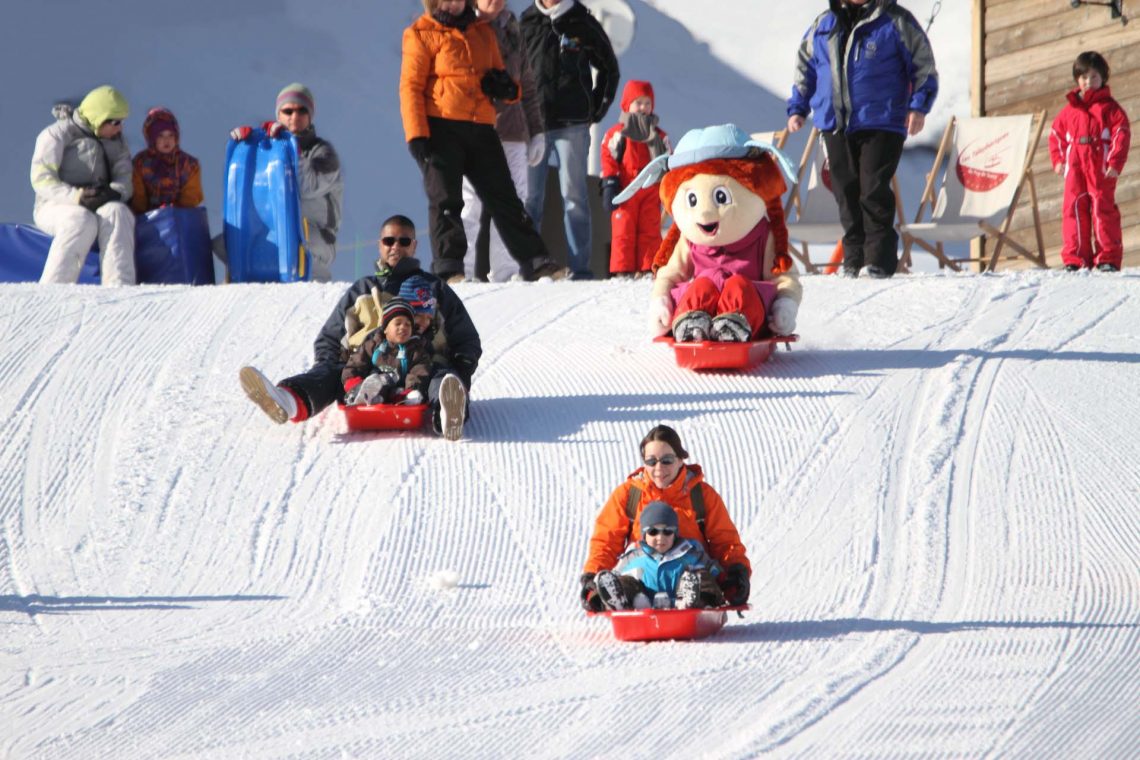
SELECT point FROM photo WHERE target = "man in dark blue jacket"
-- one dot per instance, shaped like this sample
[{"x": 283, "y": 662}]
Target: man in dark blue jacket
[
  {"x": 302, "y": 396},
  {"x": 865, "y": 71},
  {"x": 567, "y": 47}
]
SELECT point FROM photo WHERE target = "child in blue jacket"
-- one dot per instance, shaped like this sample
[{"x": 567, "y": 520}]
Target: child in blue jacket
[{"x": 659, "y": 563}]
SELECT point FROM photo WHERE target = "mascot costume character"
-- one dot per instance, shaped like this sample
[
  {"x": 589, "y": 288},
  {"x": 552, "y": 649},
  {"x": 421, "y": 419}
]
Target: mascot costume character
[{"x": 723, "y": 271}]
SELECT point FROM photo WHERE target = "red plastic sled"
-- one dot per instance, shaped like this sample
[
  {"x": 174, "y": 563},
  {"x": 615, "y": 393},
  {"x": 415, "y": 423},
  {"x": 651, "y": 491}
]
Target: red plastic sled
[
  {"x": 658, "y": 625},
  {"x": 710, "y": 354},
  {"x": 385, "y": 416}
]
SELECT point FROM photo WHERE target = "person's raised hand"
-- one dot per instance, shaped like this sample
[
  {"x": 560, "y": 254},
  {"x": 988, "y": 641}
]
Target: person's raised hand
[
  {"x": 241, "y": 133},
  {"x": 274, "y": 129}
]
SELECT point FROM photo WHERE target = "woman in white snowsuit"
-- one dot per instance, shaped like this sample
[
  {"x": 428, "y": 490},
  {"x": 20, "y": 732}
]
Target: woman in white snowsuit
[{"x": 81, "y": 174}]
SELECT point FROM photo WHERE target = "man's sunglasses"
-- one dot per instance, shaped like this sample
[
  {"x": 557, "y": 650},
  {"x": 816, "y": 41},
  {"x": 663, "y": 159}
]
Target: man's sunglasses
[
  {"x": 668, "y": 460},
  {"x": 114, "y": 122},
  {"x": 291, "y": 111},
  {"x": 660, "y": 532},
  {"x": 390, "y": 241}
]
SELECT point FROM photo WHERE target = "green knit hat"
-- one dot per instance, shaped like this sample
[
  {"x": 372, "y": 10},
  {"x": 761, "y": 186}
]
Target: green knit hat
[
  {"x": 297, "y": 94},
  {"x": 101, "y": 104}
]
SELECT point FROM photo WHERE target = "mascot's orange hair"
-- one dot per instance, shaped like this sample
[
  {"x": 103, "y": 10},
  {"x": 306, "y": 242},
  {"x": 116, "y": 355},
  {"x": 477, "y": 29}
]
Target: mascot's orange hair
[{"x": 760, "y": 175}]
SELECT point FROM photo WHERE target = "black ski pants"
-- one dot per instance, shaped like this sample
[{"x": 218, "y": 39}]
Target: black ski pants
[
  {"x": 463, "y": 148},
  {"x": 862, "y": 165}
]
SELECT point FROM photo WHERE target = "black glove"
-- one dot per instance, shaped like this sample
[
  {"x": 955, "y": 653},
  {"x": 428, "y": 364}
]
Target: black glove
[
  {"x": 93, "y": 197},
  {"x": 465, "y": 368},
  {"x": 497, "y": 83},
  {"x": 420, "y": 148},
  {"x": 591, "y": 602},
  {"x": 736, "y": 585},
  {"x": 610, "y": 190}
]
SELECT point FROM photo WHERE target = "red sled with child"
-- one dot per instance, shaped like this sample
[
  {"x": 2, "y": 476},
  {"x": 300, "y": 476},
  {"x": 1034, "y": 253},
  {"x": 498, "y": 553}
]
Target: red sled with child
[{"x": 724, "y": 287}]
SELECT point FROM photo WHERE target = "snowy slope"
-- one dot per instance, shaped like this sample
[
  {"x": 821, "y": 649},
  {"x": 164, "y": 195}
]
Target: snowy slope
[
  {"x": 219, "y": 64},
  {"x": 937, "y": 488}
]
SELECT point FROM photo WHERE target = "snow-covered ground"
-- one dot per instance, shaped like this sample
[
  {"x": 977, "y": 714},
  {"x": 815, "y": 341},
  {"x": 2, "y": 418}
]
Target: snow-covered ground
[{"x": 937, "y": 488}]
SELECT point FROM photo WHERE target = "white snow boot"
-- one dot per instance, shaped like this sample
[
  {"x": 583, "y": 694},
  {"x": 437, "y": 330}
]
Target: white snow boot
[
  {"x": 452, "y": 407},
  {"x": 276, "y": 402}
]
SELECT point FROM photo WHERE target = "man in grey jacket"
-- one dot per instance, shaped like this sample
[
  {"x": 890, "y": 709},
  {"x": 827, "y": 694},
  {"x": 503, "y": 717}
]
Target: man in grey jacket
[
  {"x": 81, "y": 174},
  {"x": 318, "y": 174}
]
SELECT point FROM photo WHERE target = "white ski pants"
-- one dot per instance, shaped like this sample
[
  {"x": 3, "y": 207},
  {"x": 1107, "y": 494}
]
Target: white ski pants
[
  {"x": 74, "y": 230},
  {"x": 502, "y": 265}
]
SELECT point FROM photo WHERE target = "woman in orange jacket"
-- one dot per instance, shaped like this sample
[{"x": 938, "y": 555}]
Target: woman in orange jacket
[
  {"x": 451, "y": 72},
  {"x": 701, "y": 515}
]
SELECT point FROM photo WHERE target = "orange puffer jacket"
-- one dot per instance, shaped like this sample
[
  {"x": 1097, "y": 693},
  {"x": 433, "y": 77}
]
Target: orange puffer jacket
[
  {"x": 441, "y": 72},
  {"x": 612, "y": 529}
]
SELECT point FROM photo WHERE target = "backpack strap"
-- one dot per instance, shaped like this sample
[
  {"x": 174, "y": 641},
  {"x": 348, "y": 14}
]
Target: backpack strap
[
  {"x": 631, "y": 503},
  {"x": 697, "y": 496}
]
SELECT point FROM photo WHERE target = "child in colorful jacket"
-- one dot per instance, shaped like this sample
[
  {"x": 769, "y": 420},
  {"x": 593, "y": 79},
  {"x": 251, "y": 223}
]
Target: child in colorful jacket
[
  {"x": 164, "y": 174},
  {"x": 1088, "y": 145},
  {"x": 661, "y": 563},
  {"x": 627, "y": 148},
  {"x": 393, "y": 364}
]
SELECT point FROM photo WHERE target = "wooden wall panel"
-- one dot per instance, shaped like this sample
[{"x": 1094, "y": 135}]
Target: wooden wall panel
[{"x": 1027, "y": 49}]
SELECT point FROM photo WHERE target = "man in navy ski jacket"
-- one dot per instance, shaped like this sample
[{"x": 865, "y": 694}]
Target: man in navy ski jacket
[{"x": 865, "y": 71}]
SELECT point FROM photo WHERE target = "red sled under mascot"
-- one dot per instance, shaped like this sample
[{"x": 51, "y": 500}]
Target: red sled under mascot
[{"x": 723, "y": 272}]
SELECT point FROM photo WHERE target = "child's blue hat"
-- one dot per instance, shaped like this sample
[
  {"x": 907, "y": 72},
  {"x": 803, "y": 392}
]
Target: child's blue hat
[
  {"x": 657, "y": 513},
  {"x": 721, "y": 141},
  {"x": 417, "y": 291}
]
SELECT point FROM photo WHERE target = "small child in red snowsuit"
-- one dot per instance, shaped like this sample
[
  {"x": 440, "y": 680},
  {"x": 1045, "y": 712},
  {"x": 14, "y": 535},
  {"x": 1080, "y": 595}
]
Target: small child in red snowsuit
[
  {"x": 627, "y": 148},
  {"x": 1088, "y": 145}
]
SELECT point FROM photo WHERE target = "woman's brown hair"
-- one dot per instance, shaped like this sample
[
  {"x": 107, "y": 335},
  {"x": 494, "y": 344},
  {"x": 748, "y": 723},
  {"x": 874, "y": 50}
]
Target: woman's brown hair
[{"x": 668, "y": 435}]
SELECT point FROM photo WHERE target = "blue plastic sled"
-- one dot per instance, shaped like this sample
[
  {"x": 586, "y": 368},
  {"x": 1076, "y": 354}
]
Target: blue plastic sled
[
  {"x": 24, "y": 250},
  {"x": 172, "y": 246},
  {"x": 261, "y": 209}
]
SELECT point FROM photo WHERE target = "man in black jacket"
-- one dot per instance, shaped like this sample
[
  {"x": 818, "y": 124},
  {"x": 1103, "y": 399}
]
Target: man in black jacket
[
  {"x": 302, "y": 396},
  {"x": 566, "y": 45}
]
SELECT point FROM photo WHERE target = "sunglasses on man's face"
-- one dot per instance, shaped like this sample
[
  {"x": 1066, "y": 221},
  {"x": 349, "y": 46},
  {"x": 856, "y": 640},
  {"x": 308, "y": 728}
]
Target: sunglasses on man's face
[
  {"x": 668, "y": 460},
  {"x": 660, "y": 532},
  {"x": 291, "y": 111},
  {"x": 390, "y": 241},
  {"x": 114, "y": 122}
]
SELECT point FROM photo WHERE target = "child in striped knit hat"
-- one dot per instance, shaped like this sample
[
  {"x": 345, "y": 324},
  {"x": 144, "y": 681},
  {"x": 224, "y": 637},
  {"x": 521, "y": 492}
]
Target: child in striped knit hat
[
  {"x": 392, "y": 365},
  {"x": 164, "y": 174}
]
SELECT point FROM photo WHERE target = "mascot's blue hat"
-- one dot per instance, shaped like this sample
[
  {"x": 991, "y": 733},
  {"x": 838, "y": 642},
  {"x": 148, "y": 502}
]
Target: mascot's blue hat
[{"x": 721, "y": 141}]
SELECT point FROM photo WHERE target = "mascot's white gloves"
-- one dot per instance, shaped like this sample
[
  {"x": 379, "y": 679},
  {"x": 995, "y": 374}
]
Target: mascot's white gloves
[
  {"x": 782, "y": 317},
  {"x": 660, "y": 315},
  {"x": 535, "y": 148}
]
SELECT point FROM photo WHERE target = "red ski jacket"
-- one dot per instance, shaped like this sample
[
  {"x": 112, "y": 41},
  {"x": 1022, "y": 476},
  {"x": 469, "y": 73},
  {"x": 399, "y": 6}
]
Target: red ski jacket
[{"x": 1092, "y": 133}]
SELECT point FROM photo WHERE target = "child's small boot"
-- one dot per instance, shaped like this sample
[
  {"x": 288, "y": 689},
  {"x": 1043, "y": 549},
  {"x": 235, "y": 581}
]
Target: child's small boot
[
  {"x": 688, "y": 590},
  {"x": 693, "y": 326},
  {"x": 372, "y": 390},
  {"x": 610, "y": 589},
  {"x": 731, "y": 328}
]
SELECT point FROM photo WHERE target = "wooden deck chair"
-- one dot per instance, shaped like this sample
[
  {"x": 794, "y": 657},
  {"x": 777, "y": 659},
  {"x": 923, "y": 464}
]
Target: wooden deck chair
[
  {"x": 817, "y": 213},
  {"x": 777, "y": 138},
  {"x": 990, "y": 163}
]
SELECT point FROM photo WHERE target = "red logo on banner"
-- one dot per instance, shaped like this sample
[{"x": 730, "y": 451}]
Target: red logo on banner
[{"x": 983, "y": 167}]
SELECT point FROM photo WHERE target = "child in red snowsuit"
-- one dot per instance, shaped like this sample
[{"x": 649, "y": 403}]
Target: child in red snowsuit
[
  {"x": 627, "y": 148},
  {"x": 164, "y": 173},
  {"x": 1088, "y": 145}
]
